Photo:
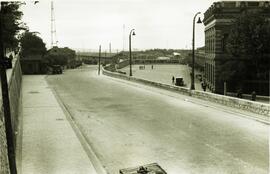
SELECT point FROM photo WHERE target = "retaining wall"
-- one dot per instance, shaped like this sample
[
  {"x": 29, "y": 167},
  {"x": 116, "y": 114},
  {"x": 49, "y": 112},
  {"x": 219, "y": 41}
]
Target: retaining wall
[
  {"x": 251, "y": 106},
  {"x": 14, "y": 81}
]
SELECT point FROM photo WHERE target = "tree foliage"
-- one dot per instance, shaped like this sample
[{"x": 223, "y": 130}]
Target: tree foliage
[
  {"x": 12, "y": 23},
  {"x": 60, "y": 56},
  {"x": 31, "y": 44},
  {"x": 249, "y": 36},
  {"x": 249, "y": 46}
]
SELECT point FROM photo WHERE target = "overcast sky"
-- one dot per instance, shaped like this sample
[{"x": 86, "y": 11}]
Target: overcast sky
[{"x": 86, "y": 24}]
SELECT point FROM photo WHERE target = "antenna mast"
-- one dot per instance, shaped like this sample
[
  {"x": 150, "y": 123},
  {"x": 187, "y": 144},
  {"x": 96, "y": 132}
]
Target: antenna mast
[
  {"x": 53, "y": 27},
  {"x": 124, "y": 37}
]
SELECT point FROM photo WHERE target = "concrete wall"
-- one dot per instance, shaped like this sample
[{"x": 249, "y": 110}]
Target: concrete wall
[
  {"x": 251, "y": 106},
  {"x": 14, "y": 80}
]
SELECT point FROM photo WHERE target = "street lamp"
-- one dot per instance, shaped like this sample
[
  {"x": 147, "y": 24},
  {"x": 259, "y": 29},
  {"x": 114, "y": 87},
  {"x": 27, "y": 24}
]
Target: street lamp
[
  {"x": 192, "y": 86},
  {"x": 132, "y": 32}
]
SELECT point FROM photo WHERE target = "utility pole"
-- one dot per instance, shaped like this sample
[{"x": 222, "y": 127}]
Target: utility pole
[
  {"x": 99, "y": 59},
  {"x": 5, "y": 100},
  {"x": 124, "y": 37}
]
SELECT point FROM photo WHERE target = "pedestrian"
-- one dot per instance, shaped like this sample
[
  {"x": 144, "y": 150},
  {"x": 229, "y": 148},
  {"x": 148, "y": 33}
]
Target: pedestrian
[
  {"x": 173, "y": 80},
  {"x": 253, "y": 96},
  {"x": 152, "y": 66},
  {"x": 239, "y": 93},
  {"x": 204, "y": 86}
]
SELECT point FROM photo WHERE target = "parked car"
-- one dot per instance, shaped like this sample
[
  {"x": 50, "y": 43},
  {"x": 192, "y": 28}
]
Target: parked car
[
  {"x": 57, "y": 69},
  {"x": 179, "y": 81}
]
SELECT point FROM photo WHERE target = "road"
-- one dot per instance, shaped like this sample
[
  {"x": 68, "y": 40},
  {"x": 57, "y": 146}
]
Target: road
[
  {"x": 129, "y": 124},
  {"x": 163, "y": 73}
]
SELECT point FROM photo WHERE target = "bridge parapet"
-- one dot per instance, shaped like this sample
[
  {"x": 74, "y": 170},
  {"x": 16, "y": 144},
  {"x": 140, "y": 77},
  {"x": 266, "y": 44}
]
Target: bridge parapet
[{"x": 246, "y": 105}]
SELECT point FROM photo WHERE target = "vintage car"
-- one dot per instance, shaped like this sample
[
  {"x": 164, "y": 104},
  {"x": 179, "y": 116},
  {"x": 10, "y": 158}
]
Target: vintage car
[
  {"x": 57, "y": 69},
  {"x": 179, "y": 81}
]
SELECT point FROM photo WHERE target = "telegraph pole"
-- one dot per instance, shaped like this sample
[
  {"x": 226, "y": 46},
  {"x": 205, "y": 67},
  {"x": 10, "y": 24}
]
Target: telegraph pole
[
  {"x": 99, "y": 59},
  {"x": 5, "y": 100}
]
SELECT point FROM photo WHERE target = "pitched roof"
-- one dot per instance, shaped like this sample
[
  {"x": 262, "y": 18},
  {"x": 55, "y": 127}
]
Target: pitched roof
[{"x": 32, "y": 57}]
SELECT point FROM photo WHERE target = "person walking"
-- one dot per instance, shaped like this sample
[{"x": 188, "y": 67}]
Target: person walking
[
  {"x": 253, "y": 96},
  {"x": 204, "y": 86},
  {"x": 239, "y": 93},
  {"x": 173, "y": 80}
]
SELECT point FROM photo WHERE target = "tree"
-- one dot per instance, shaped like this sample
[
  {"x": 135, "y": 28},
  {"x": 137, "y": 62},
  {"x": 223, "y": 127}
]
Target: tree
[
  {"x": 11, "y": 23},
  {"x": 248, "y": 45},
  {"x": 31, "y": 45},
  {"x": 60, "y": 56}
]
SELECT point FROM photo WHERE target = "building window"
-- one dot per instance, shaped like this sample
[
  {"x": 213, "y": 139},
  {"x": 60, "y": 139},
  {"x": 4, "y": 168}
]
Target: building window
[
  {"x": 224, "y": 42},
  {"x": 253, "y": 4}
]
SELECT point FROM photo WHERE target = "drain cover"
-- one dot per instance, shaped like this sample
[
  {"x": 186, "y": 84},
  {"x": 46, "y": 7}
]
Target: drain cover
[
  {"x": 33, "y": 92},
  {"x": 153, "y": 168}
]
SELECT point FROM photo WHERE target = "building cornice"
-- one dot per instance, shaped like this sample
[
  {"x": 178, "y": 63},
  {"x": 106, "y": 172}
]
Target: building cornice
[{"x": 230, "y": 9}]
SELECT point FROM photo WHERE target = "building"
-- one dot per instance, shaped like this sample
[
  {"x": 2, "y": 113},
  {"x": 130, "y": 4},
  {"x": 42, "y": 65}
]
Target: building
[
  {"x": 33, "y": 65},
  {"x": 218, "y": 20}
]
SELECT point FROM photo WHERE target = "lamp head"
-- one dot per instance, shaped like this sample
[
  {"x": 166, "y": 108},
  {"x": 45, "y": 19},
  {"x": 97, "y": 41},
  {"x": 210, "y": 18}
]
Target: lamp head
[{"x": 199, "y": 21}]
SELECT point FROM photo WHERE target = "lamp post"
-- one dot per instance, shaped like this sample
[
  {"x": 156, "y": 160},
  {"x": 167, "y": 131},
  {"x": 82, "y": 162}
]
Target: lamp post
[
  {"x": 192, "y": 86},
  {"x": 132, "y": 32}
]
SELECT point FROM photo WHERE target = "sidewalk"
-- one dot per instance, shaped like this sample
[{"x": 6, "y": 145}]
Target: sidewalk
[{"x": 49, "y": 144}]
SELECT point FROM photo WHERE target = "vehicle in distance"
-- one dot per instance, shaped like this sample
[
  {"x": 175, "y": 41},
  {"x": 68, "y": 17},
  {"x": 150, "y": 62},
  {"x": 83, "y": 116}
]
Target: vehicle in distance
[
  {"x": 179, "y": 81},
  {"x": 57, "y": 69}
]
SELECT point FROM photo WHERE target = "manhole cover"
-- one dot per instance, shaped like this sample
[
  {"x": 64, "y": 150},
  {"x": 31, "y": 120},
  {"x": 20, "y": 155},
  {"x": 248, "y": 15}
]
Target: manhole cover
[
  {"x": 33, "y": 92},
  {"x": 153, "y": 168}
]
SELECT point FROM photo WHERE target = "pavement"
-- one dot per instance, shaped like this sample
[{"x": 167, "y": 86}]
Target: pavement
[{"x": 49, "y": 144}]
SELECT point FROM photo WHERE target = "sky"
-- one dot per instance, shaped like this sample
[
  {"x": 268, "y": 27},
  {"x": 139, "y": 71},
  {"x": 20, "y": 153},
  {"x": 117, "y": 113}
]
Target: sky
[{"x": 86, "y": 24}]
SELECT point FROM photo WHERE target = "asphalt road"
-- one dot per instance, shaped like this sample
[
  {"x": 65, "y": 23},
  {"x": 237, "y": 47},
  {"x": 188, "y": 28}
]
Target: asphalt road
[{"x": 129, "y": 125}]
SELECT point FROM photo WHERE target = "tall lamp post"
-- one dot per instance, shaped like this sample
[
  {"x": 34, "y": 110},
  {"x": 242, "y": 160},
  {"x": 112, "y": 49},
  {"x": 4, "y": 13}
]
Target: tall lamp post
[
  {"x": 132, "y": 32},
  {"x": 192, "y": 87}
]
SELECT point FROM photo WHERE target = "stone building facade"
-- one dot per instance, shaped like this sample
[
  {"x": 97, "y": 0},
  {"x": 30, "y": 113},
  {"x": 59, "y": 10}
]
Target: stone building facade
[{"x": 218, "y": 20}]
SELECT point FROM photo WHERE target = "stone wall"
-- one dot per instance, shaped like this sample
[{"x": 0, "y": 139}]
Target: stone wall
[
  {"x": 14, "y": 80},
  {"x": 251, "y": 106},
  {"x": 4, "y": 166}
]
